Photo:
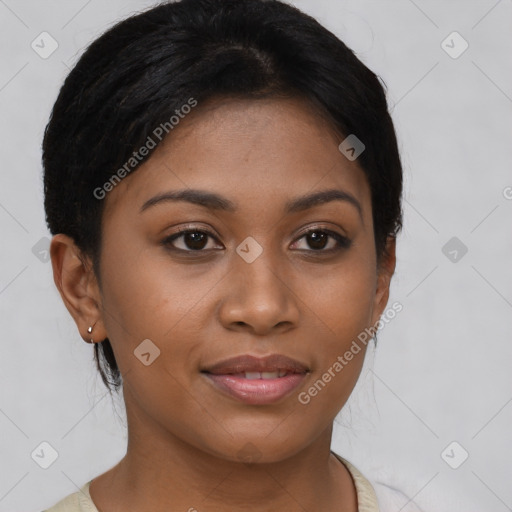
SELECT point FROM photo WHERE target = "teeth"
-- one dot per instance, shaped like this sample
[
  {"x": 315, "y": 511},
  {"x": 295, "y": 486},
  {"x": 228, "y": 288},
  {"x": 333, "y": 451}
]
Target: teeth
[
  {"x": 269, "y": 375},
  {"x": 264, "y": 375}
]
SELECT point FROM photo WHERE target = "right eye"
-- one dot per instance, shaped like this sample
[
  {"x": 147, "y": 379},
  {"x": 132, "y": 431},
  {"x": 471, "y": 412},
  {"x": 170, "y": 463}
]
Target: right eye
[{"x": 194, "y": 239}]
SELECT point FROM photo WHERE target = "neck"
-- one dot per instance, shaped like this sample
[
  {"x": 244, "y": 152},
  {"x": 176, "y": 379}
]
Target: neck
[{"x": 159, "y": 470}]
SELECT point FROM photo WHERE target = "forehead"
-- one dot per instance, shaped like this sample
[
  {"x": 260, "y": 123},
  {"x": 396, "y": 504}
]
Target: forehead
[{"x": 255, "y": 152}]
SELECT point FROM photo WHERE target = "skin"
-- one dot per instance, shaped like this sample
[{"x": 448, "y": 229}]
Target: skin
[{"x": 185, "y": 436}]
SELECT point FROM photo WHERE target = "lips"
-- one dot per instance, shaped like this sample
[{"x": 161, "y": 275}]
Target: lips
[
  {"x": 251, "y": 365},
  {"x": 257, "y": 380}
]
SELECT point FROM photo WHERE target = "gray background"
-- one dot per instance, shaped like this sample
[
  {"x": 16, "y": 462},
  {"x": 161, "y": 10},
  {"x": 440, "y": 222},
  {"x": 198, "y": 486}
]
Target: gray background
[{"x": 441, "y": 372}]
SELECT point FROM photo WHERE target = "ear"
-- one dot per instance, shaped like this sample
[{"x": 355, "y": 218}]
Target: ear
[
  {"x": 385, "y": 271},
  {"x": 78, "y": 286}
]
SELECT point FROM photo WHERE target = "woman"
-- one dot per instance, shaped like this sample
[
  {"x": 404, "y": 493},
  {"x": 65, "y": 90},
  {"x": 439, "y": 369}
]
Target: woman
[{"x": 223, "y": 184}]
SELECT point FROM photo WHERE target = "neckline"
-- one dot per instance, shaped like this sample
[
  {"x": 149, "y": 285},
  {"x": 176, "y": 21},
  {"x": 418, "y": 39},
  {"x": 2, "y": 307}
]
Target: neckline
[{"x": 366, "y": 497}]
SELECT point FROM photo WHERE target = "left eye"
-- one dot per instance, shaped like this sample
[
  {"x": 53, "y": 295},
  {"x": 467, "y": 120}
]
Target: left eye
[
  {"x": 318, "y": 238},
  {"x": 195, "y": 240}
]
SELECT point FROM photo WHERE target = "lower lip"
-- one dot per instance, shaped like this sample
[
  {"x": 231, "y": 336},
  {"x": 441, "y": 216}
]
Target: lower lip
[{"x": 257, "y": 391}]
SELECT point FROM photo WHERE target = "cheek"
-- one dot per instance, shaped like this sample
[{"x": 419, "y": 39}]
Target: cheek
[
  {"x": 343, "y": 310},
  {"x": 344, "y": 302},
  {"x": 152, "y": 300},
  {"x": 147, "y": 297},
  {"x": 136, "y": 286}
]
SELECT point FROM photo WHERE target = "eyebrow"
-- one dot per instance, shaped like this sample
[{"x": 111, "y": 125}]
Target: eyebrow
[{"x": 217, "y": 202}]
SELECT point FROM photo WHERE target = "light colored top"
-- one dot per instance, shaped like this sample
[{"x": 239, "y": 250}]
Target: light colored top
[{"x": 81, "y": 500}]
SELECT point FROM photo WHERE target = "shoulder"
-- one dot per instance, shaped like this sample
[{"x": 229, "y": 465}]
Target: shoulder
[
  {"x": 391, "y": 499},
  {"x": 377, "y": 496},
  {"x": 79, "y": 501}
]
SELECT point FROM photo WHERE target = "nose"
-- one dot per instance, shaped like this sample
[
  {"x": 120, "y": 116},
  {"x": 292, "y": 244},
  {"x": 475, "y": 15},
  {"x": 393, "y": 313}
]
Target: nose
[{"x": 259, "y": 298}]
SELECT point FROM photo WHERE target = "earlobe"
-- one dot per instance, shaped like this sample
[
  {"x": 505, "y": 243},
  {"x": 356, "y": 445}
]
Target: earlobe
[{"x": 77, "y": 285}]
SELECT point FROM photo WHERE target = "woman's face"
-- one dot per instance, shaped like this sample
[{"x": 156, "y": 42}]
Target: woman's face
[{"x": 256, "y": 284}]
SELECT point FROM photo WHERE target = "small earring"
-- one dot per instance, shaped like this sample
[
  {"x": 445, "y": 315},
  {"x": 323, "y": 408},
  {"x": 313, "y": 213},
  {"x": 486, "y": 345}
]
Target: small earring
[{"x": 89, "y": 330}]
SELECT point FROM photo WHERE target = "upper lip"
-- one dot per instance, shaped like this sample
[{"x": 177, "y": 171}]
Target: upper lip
[{"x": 248, "y": 363}]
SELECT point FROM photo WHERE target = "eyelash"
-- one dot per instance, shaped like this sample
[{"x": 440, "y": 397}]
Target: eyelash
[{"x": 343, "y": 242}]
